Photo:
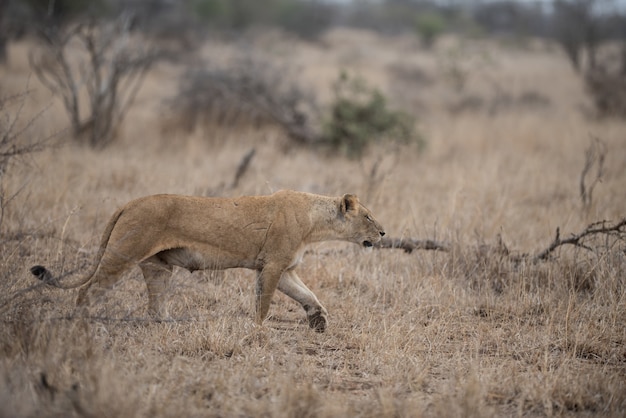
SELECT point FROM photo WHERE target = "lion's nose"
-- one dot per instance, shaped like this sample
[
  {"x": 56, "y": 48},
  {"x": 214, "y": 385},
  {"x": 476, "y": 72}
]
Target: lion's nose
[{"x": 382, "y": 233}]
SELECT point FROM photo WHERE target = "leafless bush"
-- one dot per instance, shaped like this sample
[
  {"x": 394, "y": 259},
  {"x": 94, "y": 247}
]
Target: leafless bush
[
  {"x": 248, "y": 89},
  {"x": 101, "y": 60}
]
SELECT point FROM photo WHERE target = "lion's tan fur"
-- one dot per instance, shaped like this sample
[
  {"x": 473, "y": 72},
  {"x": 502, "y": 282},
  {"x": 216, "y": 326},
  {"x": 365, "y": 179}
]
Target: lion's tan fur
[{"x": 264, "y": 233}]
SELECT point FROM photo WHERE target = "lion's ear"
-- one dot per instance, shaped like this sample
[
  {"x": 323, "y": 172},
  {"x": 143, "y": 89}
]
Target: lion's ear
[{"x": 349, "y": 202}]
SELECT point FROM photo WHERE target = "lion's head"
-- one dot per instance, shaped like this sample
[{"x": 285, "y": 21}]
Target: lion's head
[{"x": 361, "y": 226}]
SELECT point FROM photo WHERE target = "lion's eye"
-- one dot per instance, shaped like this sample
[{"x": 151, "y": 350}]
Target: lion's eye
[{"x": 368, "y": 218}]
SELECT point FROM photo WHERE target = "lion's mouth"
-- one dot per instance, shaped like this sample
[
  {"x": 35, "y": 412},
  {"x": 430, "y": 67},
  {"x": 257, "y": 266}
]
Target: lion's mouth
[{"x": 367, "y": 243}]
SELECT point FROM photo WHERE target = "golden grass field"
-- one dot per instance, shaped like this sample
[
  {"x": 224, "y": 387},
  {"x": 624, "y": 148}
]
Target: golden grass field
[{"x": 470, "y": 332}]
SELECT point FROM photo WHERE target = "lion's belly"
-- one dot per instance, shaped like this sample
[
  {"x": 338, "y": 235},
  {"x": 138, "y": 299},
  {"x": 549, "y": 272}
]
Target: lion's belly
[{"x": 210, "y": 258}]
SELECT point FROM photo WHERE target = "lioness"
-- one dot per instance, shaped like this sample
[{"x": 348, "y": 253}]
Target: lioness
[{"x": 264, "y": 233}]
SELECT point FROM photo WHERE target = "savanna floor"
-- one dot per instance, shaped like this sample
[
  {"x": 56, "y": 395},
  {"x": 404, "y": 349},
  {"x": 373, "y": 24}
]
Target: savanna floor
[{"x": 480, "y": 330}]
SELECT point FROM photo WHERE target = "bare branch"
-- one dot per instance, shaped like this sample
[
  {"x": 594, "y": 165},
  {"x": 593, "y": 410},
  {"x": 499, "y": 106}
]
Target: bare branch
[{"x": 596, "y": 228}]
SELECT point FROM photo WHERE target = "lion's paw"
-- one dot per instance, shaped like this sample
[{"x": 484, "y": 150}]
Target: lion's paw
[{"x": 317, "y": 321}]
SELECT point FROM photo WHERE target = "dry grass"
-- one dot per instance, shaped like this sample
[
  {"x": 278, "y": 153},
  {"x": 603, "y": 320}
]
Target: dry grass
[{"x": 465, "y": 333}]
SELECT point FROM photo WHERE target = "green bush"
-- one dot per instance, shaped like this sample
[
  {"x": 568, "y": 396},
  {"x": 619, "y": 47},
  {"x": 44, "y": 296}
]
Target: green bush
[
  {"x": 359, "y": 116},
  {"x": 429, "y": 26}
]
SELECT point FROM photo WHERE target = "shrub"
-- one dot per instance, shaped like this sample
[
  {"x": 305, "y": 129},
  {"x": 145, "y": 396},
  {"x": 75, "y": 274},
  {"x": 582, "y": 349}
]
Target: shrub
[
  {"x": 110, "y": 71},
  {"x": 247, "y": 89},
  {"x": 429, "y": 26},
  {"x": 252, "y": 90},
  {"x": 359, "y": 116}
]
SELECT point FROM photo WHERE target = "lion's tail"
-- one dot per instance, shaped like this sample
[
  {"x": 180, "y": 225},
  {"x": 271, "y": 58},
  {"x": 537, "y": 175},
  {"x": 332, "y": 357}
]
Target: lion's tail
[{"x": 46, "y": 276}]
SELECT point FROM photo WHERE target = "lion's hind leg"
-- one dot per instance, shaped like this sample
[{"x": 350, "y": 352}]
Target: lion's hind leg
[
  {"x": 156, "y": 273},
  {"x": 109, "y": 271}
]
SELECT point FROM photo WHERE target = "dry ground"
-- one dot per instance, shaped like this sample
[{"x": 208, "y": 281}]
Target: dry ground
[{"x": 471, "y": 332}]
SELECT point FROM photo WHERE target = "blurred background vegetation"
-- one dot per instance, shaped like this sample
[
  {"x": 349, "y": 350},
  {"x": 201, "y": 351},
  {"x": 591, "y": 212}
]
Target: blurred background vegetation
[
  {"x": 250, "y": 88},
  {"x": 576, "y": 24}
]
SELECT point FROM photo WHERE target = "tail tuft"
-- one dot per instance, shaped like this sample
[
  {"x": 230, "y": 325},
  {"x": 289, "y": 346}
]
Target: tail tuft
[{"x": 42, "y": 274}]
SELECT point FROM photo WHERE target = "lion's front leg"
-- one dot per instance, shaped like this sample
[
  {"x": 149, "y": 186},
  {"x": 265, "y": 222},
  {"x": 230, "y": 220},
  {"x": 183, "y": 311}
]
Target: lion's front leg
[
  {"x": 291, "y": 285},
  {"x": 266, "y": 283}
]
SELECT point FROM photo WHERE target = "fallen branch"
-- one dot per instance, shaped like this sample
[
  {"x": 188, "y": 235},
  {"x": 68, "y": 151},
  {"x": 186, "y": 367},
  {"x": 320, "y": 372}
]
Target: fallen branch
[
  {"x": 596, "y": 228},
  {"x": 602, "y": 227},
  {"x": 410, "y": 244}
]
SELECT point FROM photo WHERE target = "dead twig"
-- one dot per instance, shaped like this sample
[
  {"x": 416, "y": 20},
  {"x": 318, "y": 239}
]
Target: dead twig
[
  {"x": 410, "y": 244},
  {"x": 243, "y": 167},
  {"x": 594, "y": 155},
  {"x": 596, "y": 228}
]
